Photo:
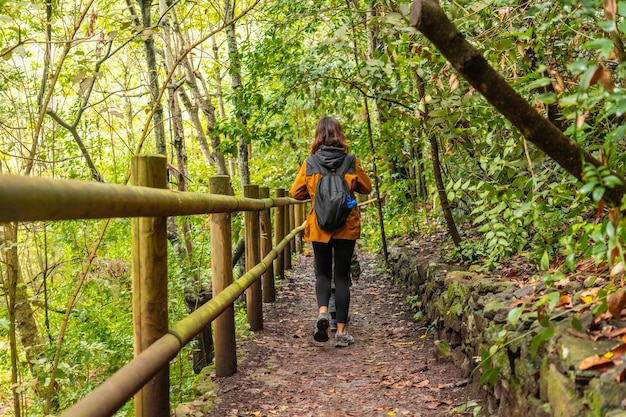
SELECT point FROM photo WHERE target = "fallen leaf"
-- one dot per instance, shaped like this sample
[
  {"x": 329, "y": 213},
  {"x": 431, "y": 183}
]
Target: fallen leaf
[
  {"x": 617, "y": 269},
  {"x": 608, "y": 357},
  {"x": 434, "y": 405},
  {"x": 565, "y": 299},
  {"x": 558, "y": 84},
  {"x": 579, "y": 335},
  {"x": 603, "y": 77},
  {"x": 615, "y": 303},
  {"x": 454, "y": 82},
  {"x": 422, "y": 384}
]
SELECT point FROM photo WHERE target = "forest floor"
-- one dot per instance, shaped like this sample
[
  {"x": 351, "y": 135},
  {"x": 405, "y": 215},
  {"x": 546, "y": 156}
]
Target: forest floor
[{"x": 390, "y": 370}]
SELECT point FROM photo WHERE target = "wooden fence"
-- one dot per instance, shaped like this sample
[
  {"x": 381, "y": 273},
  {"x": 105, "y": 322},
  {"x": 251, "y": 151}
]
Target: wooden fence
[{"x": 148, "y": 202}]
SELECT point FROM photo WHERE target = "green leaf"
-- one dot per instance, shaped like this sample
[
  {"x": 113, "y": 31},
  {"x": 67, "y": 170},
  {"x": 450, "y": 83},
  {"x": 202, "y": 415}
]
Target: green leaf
[
  {"x": 539, "y": 339},
  {"x": 576, "y": 324},
  {"x": 514, "y": 315},
  {"x": 597, "y": 194},
  {"x": 611, "y": 181},
  {"x": 618, "y": 134},
  {"x": 490, "y": 375},
  {"x": 578, "y": 66},
  {"x": 607, "y": 26},
  {"x": 541, "y": 82},
  {"x": 545, "y": 261},
  {"x": 585, "y": 79},
  {"x": 547, "y": 98},
  {"x": 589, "y": 187}
]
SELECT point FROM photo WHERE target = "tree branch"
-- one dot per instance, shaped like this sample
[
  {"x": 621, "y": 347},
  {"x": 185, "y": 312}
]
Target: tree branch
[{"x": 72, "y": 129}]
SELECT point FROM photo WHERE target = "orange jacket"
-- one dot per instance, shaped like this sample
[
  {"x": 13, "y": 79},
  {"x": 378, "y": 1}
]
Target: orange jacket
[{"x": 304, "y": 188}]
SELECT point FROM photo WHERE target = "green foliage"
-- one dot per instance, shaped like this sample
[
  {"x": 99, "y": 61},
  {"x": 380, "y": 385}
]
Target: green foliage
[
  {"x": 470, "y": 405},
  {"x": 416, "y": 304}
]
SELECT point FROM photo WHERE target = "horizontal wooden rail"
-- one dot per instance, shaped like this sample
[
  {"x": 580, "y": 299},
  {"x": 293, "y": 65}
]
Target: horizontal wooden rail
[
  {"x": 35, "y": 198},
  {"x": 113, "y": 393}
]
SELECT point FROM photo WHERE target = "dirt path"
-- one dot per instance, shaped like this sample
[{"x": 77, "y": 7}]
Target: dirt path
[{"x": 389, "y": 371}]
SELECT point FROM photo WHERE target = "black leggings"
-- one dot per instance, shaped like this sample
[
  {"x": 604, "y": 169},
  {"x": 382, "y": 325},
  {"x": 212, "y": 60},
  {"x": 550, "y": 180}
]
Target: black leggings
[{"x": 342, "y": 250}]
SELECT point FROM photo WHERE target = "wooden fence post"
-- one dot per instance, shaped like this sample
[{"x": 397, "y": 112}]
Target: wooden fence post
[
  {"x": 222, "y": 277},
  {"x": 254, "y": 300},
  {"x": 265, "y": 220},
  {"x": 279, "y": 213},
  {"x": 149, "y": 245},
  {"x": 287, "y": 230},
  {"x": 292, "y": 222},
  {"x": 298, "y": 216}
]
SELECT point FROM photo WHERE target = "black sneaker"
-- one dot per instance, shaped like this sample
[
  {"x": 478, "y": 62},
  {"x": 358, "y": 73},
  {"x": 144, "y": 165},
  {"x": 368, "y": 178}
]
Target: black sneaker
[{"x": 321, "y": 328}]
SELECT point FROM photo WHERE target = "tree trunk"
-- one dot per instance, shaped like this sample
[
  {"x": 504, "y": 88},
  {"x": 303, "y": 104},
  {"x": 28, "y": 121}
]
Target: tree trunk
[
  {"x": 379, "y": 203},
  {"x": 235, "y": 74},
  {"x": 10, "y": 288},
  {"x": 20, "y": 308},
  {"x": 193, "y": 111},
  {"x": 153, "y": 78},
  {"x": 218, "y": 78},
  {"x": 418, "y": 156},
  {"x": 441, "y": 189},
  {"x": 428, "y": 18},
  {"x": 202, "y": 102}
]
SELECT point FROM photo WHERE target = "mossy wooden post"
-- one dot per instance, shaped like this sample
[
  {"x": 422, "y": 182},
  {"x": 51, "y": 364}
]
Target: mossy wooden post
[
  {"x": 222, "y": 277},
  {"x": 265, "y": 220},
  {"x": 279, "y": 214},
  {"x": 292, "y": 223},
  {"x": 149, "y": 238},
  {"x": 254, "y": 298},
  {"x": 298, "y": 219},
  {"x": 288, "y": 228}
]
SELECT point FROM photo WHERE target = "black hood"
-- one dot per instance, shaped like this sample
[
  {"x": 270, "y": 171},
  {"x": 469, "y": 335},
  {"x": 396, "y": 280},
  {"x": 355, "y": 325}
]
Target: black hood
[{"x": 330, "y": 156}]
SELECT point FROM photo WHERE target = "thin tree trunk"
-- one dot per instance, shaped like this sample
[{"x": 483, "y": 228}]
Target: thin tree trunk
[
  {"x": 372, "y": 44},
  {"x": 434, "y": 149},
  {"x": 177, "y": 128},
  {"x": 379, "y": 203},
  {"x": 20, "y": 308},
  {"x": 218, "y": 78},
  {"x": 418, "y": 156},
  {"x": 153, "y": 78},
  {"x": 10, "y": 289},
  {"x": 193, "y": 111},
  {"x": 202, "y": 102},
  {"x": 235, "y": 74}
]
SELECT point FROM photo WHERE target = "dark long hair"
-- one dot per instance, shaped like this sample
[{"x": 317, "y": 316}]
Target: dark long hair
[{"x": 328, "y": 132}]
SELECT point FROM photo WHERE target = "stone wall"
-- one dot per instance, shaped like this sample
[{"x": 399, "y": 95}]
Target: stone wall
[{"x": 469, "y": 314}]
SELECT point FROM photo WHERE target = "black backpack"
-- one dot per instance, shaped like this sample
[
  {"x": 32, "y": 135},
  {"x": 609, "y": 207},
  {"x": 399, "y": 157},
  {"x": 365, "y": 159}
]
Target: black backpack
[{"x": 333, "y": 201}]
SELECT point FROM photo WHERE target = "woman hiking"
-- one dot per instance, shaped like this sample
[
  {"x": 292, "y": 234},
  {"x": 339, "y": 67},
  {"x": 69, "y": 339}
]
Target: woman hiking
[{"x": 332, "y": 248}]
